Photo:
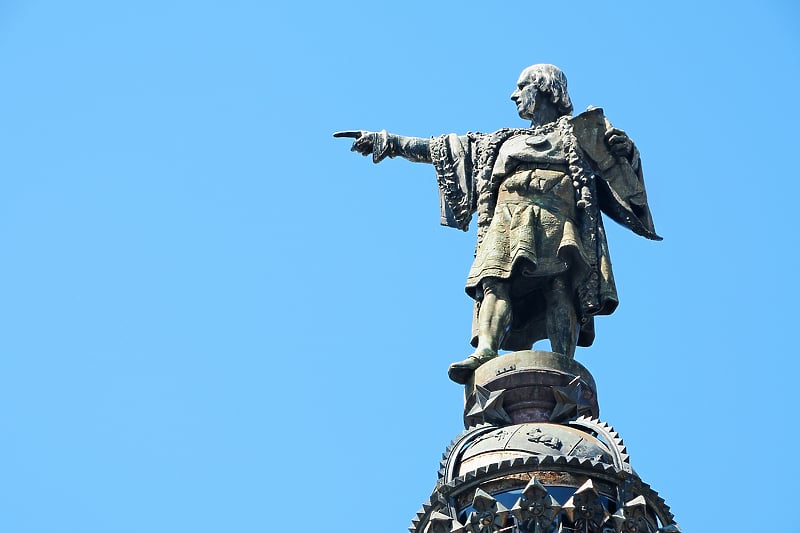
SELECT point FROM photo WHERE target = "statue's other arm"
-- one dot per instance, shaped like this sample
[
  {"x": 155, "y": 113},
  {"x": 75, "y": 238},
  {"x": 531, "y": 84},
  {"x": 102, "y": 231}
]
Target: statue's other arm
[
  {"x": 619, "y": 143},
  {"x": 621, "y": 190},
  {"x": 381, "y": 145}
]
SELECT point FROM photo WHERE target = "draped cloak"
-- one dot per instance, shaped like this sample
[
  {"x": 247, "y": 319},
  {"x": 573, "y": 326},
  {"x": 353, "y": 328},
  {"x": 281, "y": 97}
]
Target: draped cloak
[{"x": 538, "y": 194}]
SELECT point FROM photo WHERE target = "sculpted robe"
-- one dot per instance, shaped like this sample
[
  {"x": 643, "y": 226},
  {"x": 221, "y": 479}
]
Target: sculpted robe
[{"x": 538, "y": 194}]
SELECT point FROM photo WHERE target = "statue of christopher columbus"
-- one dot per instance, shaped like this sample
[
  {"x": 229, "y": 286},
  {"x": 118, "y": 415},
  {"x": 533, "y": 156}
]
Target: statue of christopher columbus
[{"x": 542, "y": 267}]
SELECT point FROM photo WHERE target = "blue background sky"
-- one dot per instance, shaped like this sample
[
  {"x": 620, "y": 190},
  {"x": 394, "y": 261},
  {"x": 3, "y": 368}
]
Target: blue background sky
[{"x": 214, "y": 317}]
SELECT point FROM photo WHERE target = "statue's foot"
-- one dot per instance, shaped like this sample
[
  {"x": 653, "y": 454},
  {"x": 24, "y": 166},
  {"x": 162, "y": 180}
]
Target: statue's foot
[{"x": 462, "y": 370}]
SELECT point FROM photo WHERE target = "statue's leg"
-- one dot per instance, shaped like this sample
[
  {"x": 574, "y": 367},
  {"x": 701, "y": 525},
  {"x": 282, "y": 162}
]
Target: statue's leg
[
  {"x": 494, "y": 317},
  {"x": 562, "y": 318}
]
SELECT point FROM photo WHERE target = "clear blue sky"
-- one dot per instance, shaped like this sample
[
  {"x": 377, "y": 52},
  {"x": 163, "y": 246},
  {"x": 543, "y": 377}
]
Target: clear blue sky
[{"x": 214, "y": 317}]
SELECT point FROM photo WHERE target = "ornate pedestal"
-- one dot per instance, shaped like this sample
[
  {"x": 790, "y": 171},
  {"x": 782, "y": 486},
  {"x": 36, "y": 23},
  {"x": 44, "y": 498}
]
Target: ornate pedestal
[
  {"x": 538, "y": 387},
  {"x": 535, "y": 459}
]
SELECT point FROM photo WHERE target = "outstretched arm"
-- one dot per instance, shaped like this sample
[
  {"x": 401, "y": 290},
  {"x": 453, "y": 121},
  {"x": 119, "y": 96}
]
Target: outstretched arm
[{"x": 381, "y": 144}]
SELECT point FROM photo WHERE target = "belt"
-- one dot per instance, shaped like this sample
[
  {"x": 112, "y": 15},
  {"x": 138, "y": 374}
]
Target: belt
[{"x": 555, "y": 167}]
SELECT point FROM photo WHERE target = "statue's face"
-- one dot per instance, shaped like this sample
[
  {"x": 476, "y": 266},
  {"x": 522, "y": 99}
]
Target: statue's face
[{"x": 526, "y": 95}]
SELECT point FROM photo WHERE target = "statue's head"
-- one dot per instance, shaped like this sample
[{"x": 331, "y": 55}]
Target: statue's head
[{"x": 541, "y": 80}]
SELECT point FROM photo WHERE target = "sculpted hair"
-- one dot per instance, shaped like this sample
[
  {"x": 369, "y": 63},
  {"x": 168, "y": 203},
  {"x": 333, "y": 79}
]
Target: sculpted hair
[{"x": 551, "y": 80}]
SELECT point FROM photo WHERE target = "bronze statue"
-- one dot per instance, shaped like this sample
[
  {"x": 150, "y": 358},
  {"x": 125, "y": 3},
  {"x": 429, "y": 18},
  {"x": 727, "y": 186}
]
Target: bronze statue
[{"x": 541, "y": 268}]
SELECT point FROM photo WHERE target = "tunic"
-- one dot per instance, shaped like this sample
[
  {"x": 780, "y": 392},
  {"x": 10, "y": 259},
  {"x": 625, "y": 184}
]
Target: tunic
[{"x": 538, "y": 195}]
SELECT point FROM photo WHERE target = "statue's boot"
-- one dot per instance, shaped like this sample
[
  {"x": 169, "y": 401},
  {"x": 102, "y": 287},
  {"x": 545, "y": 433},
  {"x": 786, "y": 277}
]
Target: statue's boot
[{"x": 461, "y": 371}]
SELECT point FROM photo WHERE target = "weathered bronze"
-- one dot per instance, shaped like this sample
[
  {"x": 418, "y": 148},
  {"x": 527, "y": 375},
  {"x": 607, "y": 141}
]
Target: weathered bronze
[
  {"x": 586, "y": 510},
  {"x": 583, "y": 464},
  {"x": 633, "y": 517},
  {"x": 488, "y": 515},
  {"x": 487, "y": 408},
  {"x": 533, "y": 386},
  {"x": 536, "y": 510},
  {"x": 542, "y": 267},
  {"x": 533, "y": 438},
  {"x": 442, "y": 523}
]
